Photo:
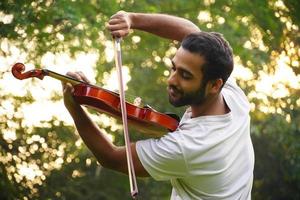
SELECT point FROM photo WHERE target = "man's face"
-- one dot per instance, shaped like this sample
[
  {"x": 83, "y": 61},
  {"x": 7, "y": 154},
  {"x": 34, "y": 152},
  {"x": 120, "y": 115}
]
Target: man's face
[{"x": 185, "y": 82}]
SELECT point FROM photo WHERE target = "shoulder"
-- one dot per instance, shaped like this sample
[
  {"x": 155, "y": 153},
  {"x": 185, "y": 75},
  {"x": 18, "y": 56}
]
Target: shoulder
[{"x": 235, "y": 96}]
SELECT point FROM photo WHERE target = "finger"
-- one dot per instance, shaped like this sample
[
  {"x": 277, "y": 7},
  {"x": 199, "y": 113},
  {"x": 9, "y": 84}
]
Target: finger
[
  {"x": 116, "y": 27},
  {"x": 115, "y": 21},
  {"x": 119, "y": 14},
  {"x": 116, "y": 34},
  {"x": 63, "y": 85},
  {"x": 68, "y": 88},
  {"x": 75, "y": 75},
  {"x": 118, "y": 20},
  {"x": 71, "y": 74},
  {"x": 119, "y": 34},
  {"x": 115, "y": 16},
  {"x": 83, "y": 77}
]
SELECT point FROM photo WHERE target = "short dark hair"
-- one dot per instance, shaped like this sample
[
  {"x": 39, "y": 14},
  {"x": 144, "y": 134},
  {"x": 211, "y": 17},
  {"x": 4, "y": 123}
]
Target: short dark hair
[{"x": 216, "y": 52}]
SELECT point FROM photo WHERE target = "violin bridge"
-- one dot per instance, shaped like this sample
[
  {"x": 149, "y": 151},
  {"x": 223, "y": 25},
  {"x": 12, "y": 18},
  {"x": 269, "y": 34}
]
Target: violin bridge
[{"x": 137, "y": 101}]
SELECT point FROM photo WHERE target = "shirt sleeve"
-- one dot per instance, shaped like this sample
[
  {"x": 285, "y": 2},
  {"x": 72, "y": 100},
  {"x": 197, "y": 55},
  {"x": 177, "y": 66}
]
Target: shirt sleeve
[
  {"x": 235, "y": 97},
  {"x": 162, "y": 158}
]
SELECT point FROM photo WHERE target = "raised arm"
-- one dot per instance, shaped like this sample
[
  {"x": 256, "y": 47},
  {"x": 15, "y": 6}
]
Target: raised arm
[{"x": 166, "y": 26}]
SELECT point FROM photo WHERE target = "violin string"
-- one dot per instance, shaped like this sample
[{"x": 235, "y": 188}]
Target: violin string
[{"x": 129, "y": 97}]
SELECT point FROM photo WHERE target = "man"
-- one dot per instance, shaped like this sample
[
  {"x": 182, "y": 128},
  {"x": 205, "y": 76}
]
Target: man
[{"x": 210, "y": 155}]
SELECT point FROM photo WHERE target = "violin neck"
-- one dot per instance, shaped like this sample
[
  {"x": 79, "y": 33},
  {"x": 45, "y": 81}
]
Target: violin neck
[{"x": 61, "y": 77}]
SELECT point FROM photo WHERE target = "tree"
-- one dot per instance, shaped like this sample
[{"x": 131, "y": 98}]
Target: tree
[{"x": 264, "y": 35}]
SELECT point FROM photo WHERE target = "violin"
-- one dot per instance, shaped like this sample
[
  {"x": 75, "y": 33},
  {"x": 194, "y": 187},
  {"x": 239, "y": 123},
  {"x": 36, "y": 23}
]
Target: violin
[{"x": 144, "y": 119}]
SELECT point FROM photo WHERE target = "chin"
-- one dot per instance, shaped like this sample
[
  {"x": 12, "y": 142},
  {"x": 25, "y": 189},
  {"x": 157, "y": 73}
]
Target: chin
[{"x": 175, "y": 103}]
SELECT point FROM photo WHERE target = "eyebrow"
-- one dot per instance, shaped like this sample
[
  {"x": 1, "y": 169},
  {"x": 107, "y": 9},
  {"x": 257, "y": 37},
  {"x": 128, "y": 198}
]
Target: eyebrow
[{"x": 182, "y": 69}]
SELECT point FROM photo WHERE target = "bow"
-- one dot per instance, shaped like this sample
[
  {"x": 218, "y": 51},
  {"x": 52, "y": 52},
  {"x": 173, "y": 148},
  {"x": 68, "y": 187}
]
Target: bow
[{"x": 131, "y": 172}]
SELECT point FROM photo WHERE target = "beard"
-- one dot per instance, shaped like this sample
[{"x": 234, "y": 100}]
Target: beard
[{"x": 179, "y": 98}]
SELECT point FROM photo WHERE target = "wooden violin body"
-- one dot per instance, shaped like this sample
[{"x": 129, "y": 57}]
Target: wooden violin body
[{"x": 145, "y": 120}]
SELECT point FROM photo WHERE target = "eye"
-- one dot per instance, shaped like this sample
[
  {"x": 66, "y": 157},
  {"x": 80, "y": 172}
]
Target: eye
[{"x": 186, "y": 75}]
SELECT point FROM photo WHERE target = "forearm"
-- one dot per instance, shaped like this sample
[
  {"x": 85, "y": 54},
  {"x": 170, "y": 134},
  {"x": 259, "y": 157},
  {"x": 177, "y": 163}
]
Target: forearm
[
  {"x": 163, "y": 25},
  {"x": 96, "y": 141}
]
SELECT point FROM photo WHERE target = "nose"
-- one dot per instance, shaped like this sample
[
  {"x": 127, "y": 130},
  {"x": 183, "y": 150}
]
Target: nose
[{"x": 172, "y": 80}]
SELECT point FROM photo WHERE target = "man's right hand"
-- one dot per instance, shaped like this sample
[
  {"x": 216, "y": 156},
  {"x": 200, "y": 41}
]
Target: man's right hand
[
  {"x": 162, "y": 25},
  {"x": 120, "y": 24}
]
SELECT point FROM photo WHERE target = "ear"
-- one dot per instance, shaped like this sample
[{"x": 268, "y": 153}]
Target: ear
[{"x": 214, "y": 86}]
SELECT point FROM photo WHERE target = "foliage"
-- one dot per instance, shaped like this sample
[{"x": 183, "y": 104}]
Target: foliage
[
  {"x": 260, "y": 32},
  {"x": 277, "y": 159}
]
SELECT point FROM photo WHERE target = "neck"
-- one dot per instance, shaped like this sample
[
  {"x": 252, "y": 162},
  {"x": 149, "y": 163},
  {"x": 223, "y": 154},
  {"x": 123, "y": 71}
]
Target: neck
[{"x": 213, "y": 105}]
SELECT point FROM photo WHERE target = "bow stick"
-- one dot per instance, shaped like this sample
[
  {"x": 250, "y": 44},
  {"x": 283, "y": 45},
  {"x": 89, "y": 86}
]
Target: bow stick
[{"x": 131, "y": 172}]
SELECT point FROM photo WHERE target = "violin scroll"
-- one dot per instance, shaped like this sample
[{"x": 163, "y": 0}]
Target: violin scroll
[{"x": 18, "y": 72}]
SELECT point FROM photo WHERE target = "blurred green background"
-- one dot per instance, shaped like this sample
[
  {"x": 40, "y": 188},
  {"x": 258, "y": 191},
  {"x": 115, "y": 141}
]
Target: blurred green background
[{"x": 42, "y": 156}]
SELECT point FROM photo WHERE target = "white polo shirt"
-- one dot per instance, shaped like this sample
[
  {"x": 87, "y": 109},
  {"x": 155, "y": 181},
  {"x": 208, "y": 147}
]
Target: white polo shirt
[{"x": 207, "y": 157}]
